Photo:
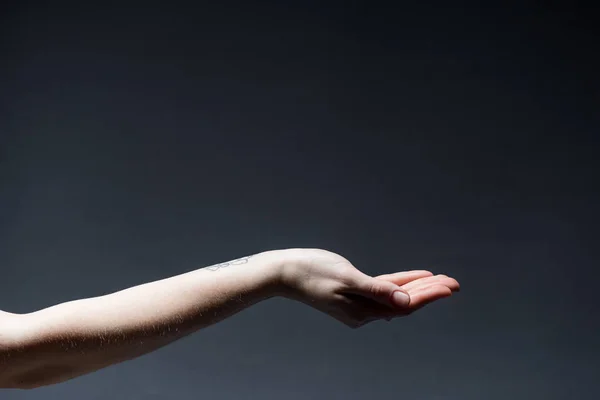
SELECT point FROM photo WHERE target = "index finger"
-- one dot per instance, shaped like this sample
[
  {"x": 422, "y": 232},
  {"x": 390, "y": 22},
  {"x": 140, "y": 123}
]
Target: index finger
[{"x": 402, "y": 278}]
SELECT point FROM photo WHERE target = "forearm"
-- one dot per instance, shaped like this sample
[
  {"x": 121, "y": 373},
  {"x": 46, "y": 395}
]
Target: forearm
[{"x": 81, "y": 336}]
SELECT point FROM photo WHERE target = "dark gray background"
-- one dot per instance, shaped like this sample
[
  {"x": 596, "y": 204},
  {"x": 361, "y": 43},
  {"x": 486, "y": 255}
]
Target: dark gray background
[{"x": 140, "y": 142}]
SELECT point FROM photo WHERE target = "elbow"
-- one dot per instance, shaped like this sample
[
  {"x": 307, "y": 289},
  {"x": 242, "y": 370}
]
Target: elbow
[
  {"x": 9, "y": 367},
  {"x": 25, "y": 360},
  {"x": 16, "y": 382},
  {"x": 22, "y": 381},
  {"x": 8, "y": 382},
  {"x": 16, "y": 373},
  {"x": 8, "y": 349},
  {"x": 15, "y": 370}
]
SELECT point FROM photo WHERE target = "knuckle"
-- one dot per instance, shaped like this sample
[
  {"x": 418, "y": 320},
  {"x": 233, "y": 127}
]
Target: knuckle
[
  {"x": 346, "y": 278},
  {"x": 377, "y": 289}
]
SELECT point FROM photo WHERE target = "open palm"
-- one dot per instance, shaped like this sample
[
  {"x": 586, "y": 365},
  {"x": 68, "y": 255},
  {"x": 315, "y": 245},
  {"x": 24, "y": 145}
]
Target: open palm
[
  {"x": 332, "y": 284},
  {"x": 422, "y": 286}
]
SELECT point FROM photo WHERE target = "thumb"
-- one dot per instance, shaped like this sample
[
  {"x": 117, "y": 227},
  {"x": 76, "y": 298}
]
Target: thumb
[{"x": 382, "y": 291}]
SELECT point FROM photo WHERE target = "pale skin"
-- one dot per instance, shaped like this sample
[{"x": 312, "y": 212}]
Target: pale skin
[{"x": 71, "y": 339}]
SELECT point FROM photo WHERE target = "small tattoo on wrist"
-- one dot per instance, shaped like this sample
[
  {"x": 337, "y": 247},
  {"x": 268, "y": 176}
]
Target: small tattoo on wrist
[{"x": 237, "y": 261}]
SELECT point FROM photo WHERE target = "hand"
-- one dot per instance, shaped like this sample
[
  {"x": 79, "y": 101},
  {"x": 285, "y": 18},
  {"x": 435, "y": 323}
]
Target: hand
[{"x": 330, "y": 283}]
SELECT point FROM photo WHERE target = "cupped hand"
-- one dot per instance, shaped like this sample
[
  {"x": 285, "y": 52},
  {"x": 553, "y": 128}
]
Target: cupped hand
[{"x": 330, "y": 283}]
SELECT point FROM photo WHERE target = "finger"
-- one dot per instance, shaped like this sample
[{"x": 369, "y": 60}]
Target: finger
[
  {"x": 382, "y": 291},
  {"x": 441, "y": 279},
  {"x": 444, "y": 281},
  {"x": 402, "y": 278},
  {"x": 427, "y": 295},
  {"x": 419, "y": 297},
  {"x": 424, "y": 294}
]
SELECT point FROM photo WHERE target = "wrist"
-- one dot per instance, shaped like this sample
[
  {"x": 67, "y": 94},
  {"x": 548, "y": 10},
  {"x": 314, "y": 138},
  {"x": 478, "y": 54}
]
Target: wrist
[{"x": 282, "y": 266}]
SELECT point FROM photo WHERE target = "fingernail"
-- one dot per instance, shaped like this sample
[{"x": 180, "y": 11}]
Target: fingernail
[{"x": 400, "y": 299}]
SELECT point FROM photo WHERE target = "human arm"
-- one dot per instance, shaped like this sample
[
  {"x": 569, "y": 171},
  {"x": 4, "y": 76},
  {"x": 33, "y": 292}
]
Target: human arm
[
  {"x": 67, "y": 340},
  {"x": 81, "y": 336}
]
